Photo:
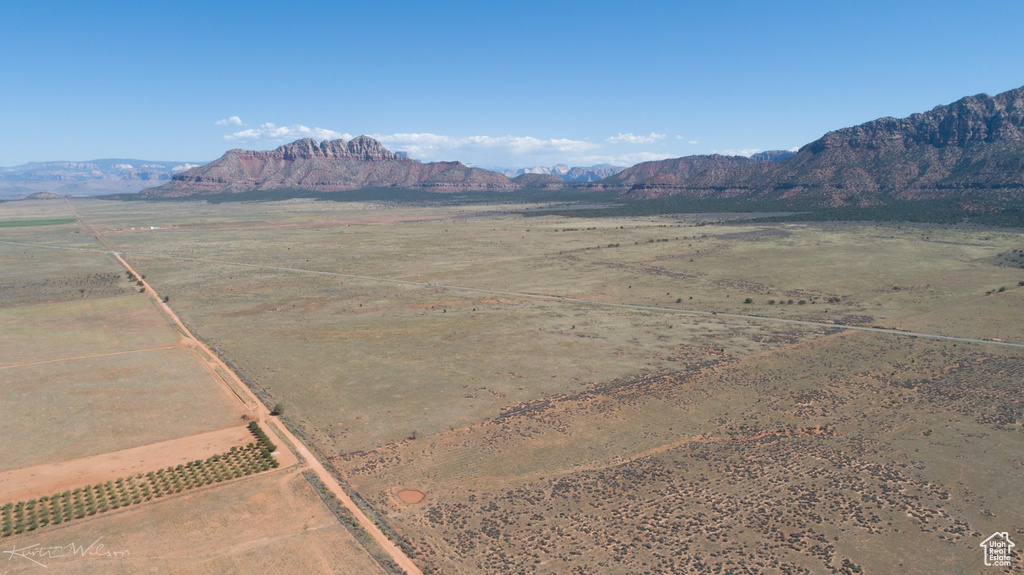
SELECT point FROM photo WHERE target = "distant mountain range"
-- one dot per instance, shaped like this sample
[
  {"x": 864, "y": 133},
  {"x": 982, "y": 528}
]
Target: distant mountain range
[
  {"x": 93, "y": 177},
  {"x": 118, "y": 176},
  {"x": 566, "y": 173},
  {"x": 337, "y": 165},
  {"x": 970, "y": 151},
  {"x": 329, "y": 166}
]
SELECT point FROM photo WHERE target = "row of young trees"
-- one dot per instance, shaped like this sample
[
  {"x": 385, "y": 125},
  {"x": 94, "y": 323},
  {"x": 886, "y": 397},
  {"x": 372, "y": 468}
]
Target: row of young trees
[{"x": 86, "y": 501}]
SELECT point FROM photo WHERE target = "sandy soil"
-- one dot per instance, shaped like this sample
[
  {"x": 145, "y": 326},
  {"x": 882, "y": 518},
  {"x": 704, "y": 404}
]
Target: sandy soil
[
  {"x": 412, "y": 496},
  {"x": 32, "y": 482}
]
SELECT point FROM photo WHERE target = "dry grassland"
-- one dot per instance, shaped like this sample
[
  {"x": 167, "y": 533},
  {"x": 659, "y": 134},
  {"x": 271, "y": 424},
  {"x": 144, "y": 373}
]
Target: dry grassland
[
  {"x": 55, "y": 263},
  {"x": 88, "y": 364},
  {"x": 552, "y": 436},
  {"x": 829, "y": 452},
  {"x": 90, "y": 373},
  {"x": 82, "y": 328},
  {"x": 78, "y": 407}
]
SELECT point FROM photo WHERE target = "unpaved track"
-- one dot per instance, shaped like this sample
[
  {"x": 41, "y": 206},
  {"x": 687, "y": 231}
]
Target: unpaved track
[
  {"x": 263, "y": 414},
  {"x": 73, "y": 358}
]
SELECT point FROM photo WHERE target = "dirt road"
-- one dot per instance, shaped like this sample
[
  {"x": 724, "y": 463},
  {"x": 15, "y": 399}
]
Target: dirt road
[{"x": 262, "y": 413}]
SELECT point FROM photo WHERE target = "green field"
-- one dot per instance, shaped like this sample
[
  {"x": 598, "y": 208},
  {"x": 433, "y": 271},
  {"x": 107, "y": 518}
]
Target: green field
[{"x": 30, "y": 223}]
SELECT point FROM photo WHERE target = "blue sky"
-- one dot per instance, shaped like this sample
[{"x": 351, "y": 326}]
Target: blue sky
[{"x": 494, "y": 84}]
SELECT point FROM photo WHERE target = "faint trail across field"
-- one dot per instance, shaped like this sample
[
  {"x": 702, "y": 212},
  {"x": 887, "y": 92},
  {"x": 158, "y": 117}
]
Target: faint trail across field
[
  {"x": 707, "y": 438},
  {"x": 59, "y": 359},
  {"x": 547, "y": 297}
]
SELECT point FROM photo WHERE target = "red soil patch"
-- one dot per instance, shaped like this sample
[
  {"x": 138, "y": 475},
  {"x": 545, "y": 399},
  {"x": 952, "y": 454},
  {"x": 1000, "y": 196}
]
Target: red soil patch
[
  {"x": 439, "y": 304},
  {"x": 411, "y": 496},
  {"x": 50, "y": 478}
]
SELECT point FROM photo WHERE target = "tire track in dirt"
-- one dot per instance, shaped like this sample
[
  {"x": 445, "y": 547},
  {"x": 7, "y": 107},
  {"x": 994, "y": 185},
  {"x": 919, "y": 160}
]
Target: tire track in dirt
[
  {"x": 704, "y": 438},
  {"x": 708, "y": 438},
  {"x": 73, "y": 358}
]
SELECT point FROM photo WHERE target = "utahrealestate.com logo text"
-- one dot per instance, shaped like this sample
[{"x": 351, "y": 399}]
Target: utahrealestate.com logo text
[{"x": 998, "y": 549}]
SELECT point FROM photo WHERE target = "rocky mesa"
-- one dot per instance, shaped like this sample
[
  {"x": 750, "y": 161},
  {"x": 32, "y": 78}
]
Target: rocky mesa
[{"x": 328, "y": 166}]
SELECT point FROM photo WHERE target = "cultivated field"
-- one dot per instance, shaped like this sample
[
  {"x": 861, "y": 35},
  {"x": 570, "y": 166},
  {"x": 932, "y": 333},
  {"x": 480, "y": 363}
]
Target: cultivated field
[
  {"x": 100, "y": 390},
  {"x": 479, "y": 379},
  {"x": 268, "y": 524}
]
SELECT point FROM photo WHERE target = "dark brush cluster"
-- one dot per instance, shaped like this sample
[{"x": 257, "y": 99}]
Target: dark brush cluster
[
  {"x": 61, "y": 288},
  {"x": 780, "y": 504}
]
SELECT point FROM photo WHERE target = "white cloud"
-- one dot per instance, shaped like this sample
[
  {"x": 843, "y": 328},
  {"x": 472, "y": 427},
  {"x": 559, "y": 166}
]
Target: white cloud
[
  {"x": 123, "y": 167},
  {"x": 232, "y": 121},
  {"x": 272, "y": 132},
  {"x": 481, "y": 150},
  {"x": 621, "y": 159},
  {"x": 693, "y": 142},
  {"x": 743, "y": 152},
  {"x": 183, "y": 167},
  {"x": 437, "y": 146},
  {"x": 635, "y": 139}
]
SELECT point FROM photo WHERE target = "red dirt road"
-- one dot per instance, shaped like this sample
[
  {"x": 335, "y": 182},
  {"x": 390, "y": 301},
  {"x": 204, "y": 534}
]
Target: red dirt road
[{"x": 250, "y": 401}]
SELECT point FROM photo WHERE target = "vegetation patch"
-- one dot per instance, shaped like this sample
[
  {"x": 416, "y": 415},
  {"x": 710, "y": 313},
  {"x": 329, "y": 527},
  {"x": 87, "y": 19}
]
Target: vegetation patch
[
  {"x": 39, "y": 222},
  {"x": 939, "y": 211},
  {"x": 22, "y": 516}
]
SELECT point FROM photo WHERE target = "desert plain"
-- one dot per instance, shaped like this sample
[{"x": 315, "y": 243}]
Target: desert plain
[{"x": 512, "y": 392}]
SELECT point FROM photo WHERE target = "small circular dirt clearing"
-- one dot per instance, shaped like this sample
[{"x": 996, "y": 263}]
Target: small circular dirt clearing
[{"x": 412, "y": 496}]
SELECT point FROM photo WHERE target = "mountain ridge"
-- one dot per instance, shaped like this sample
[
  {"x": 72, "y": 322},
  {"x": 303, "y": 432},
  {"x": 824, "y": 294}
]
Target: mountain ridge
[
  {"x": 328, "y": 166},
  {"x": 970, "y": 151},
  {"x": 959, "y": 150}
]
